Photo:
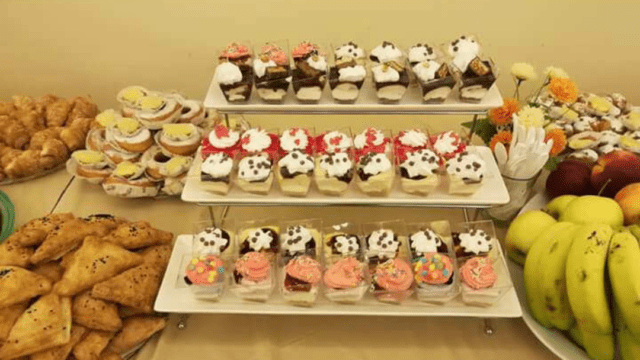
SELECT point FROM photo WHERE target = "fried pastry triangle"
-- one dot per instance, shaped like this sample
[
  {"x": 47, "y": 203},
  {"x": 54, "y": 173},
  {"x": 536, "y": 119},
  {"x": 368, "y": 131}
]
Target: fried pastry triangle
[
  {"x": 92, "y": 345},
  {"x": 94, "y": 262},
  {"x": 12, "y": 253},
  {"x": 45, "y": 324},
  {"x": 108, "y": 355},
  {"x": 8, "y": 316},
  {"x": 136, "y": 288},
  {"x": 139, "y": 235},
  {"x": 95, "y": 313},
  {"x": 157, "y": 256},
  {"x": 35, "y": 231},
  {"x": 62, "y": 352},
  {"x": 18, "y": 285},
  {"x": 51, "y": 270},
  {"x": 136, "y": 330}
]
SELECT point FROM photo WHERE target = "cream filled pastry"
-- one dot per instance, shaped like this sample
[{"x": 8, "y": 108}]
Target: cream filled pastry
[
  {"x": 333, "y": 172},
  {"x": 179, "y": 139},
  {"x": 585, "y": 154},
  {"x": 155, "y": 111},
  {"x": 631, "y": 141},
  {"x": 130, "y": 135},
  {"x": 96, "y": 138},
  {"x": 89, "y": 165},
  {"x": 116, "y": 155},
  {"x": 419, "y": 171},
  {"x": 155, "y": 161},
  {"x": 584, "y": 123},
  {"x": 474, "y": 242},
  {"x": 466, "y": 171},
  {"x": 215, "y": 173},
  {"x": 609, "y": 141},
  {"x": 294, "y": 173},
  {"x": 105, "y": 119},
  {"x": 632, "y": 121},
  {"x": 255, "y": 173},
  {"x": 375, "y": 174},
  {"x": 128, "y": 98},
  {"x": 128, "y": 180},
  {"x": 584, "y": 140}
]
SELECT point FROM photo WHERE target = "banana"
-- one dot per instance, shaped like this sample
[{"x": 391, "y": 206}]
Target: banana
[
  {"x": 586, "y": 278},
  {"x": 635, "y": 230},
  {"x": 599, "y": 346},
  {"x": 553, "y": 278},
  {"x": 624, "y": 273},
  {"x": 576, "y": 335},
  {"x": 535, "y": 299},
  {"x": 629, "y": 346}
]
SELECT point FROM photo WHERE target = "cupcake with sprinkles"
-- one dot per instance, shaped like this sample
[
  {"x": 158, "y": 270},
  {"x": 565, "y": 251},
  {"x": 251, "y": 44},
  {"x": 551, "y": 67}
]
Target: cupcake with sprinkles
[
  {"x": 206, "y": 277},
  {"x": 392, "y": 281},
  {"x": 272, "y": 71},
  {"x": 302, "y": 276},
  {"x": 253, "y": 276},
  {"x": 480, "y": 281},
  {"x": 310, "y": 71},
  {"x": 345, "y": 280},
  {"x": 434, "y": 277},
  {"x": 348, "y": 73}
]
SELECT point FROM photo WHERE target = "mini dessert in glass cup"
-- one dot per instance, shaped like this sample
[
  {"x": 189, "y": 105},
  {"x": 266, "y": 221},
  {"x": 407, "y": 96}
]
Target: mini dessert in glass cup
[
  {"x": 253, "y": 276},
  {"x": 272, "y": 71},
  {"x": 259, "y": 150},
  {"x": 310, "y": 72},
  {"x": 432, "y": 72},
  {"x": 466, "y": 172},
  {"x": 334, "y": 161},
  {"x": 296, "y": 164},
  {"x": 390, "y": 76},
  {"x": 301, "y": 280},
  {"x": 476, "y": 75},
  {"x": 234, "y": 73},
  {"x": 348, "y": 72},
  {"x": 418, "y": 165},
  {"x": 346, "y": 276},
  {"x": 373, "y": 155}
]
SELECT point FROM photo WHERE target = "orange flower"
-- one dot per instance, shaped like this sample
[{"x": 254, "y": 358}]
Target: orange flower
[
  {"x": 503, "y": 137},
  {"x": 559, "y": 141},
  {"x": 503, "y": 114},
  {"x": 563, "y": 90}
]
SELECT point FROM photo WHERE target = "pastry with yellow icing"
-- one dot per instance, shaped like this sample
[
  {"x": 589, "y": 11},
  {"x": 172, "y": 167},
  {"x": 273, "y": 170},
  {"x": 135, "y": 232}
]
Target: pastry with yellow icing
[
  {"x": 129, "y": 180},
  {"x": 128, "y": 97},
  {"x": 632, "y": 121},
  {"x": 584, "y": 140},
  {"x": 154, "y": 111},
  {"x": 179, "y": 139},
  {"x": 90, "y": 165},
  {"x": 130, "y": 135},
  {"x": 192, "y": 112}
]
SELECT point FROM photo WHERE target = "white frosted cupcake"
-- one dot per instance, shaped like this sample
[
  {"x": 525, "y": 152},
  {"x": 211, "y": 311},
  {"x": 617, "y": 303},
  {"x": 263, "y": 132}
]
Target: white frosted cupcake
[{"x": 466, "y": 172}]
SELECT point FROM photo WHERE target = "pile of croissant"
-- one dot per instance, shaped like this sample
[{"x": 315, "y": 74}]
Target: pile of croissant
[
  {"x": 80, "y": 287},
  {"x": 39, "y": 134}
]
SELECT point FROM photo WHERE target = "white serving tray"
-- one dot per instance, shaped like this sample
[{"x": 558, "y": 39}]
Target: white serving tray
[
  {"x": 493, "y": 192},
  {"x": 553, "y": 339},
  {"x": 367, "y": 103},
  {"x": 173, "y": 298}
]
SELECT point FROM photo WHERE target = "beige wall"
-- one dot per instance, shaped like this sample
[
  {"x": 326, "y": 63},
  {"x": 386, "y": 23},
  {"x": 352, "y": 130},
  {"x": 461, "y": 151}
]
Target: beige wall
[{"x": 97, "y": 47}]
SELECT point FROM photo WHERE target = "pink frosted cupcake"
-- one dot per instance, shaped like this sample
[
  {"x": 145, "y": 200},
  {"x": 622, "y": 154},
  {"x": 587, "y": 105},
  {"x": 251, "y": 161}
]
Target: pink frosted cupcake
[
  {"x": 206, "y": 276},
  {"x": 345, "y": 281},
  {"x": 302, "y": 275},
  {"x": 392, "y": 281},
  {"x": 253, "y": 276}
]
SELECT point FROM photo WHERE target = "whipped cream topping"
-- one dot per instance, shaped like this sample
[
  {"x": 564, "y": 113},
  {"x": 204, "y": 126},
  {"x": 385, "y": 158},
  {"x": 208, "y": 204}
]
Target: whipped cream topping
[
  {"x": 347, "y": 244},
  {"x": 421, "y": 52},
  {"x": 294, "y": 139},
  {"x": 475, "y": 241},
  {"x": 423, "y": 162},
  {"x": 255, "y": 140},
  {"x": 463, "y": 50},
  {"x": 384, "y": 73},
  {"x": 297, "y": 162},
  {"x": 426, "y": 70},
  {"x": 587, "y": 154},
  {"x": 336, "y": 141},
  {"x": 349, "y": 50},
  {"x": 425, "y": 241},
  {"x": 413, "y": 138},
  {"x": 260, "y": 239},
  {"x": 336, "y": 164},
  {"x": 352, "y": 73},
  {"x": 584, "y": 124},
  {"x": 446, "y": 142},
  {"x": 382, "y": 241},
  {"x": 369, "y": 137},
  {"x": 221, "y": 137},
  {"x": 295, "y": 239},
  {"x": 254, "y": 167},
  {"x": 386, "y": 52},
  {"x": 260, "y": 67},
  {"x": 228, "y": 73},
  {"x": 217, "y": 165},
  {"x": 211, "y": 241},
  {"x": 317, "y": 62},
  {"x": 375, "y": 163},
  {"x": 467, "y": 166}
]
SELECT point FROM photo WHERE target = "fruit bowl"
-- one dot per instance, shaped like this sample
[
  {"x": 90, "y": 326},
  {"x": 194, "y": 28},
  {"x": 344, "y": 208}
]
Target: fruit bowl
[{"x": 555, "y": 340}]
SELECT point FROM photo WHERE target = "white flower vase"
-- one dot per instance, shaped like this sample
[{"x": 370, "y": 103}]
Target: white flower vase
[{"x": 519, "y": 192}]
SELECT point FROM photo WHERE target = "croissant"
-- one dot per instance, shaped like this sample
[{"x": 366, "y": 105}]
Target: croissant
[
  {"x": 6, "y": 107},
  {"x": 31, "y": 120},
  {"x": 58, "y": 112},
  {"x": 7, "y": 154},
  {"x": 73, "y": 137},
  {"x": 13, "y": 133},
  {"x": 82, "y": 123},
  {"x": 43, "y": 101},
  {"x": 26, "y": 164},
  {"x": 83, "y": 107},
  {"x": 23, "y": 102},
  {"x": 53, "y": 152},
  {"x": 38, "y": 139}
]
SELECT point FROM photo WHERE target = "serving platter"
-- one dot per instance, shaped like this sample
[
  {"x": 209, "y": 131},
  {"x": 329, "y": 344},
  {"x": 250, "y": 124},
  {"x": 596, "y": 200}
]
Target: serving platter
[
  {"x": 492, "y": 192},
  {"x": 176, "y": 297},
  {"x": 367, "y": 103}
]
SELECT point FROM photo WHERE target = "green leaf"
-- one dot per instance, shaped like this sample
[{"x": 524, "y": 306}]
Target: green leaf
[
  {"x": 552, "y": 163},
  {"x": 485, "y": 130}
]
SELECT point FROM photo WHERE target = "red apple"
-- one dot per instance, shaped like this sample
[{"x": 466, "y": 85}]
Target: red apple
[
  {"x": 571, "y": 177},
  {"x": 629, "y": 200},
  {"x": 616, "y": 169}
]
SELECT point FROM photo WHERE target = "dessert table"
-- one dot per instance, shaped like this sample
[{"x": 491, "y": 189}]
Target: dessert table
[{"x": 287, "y": 337}]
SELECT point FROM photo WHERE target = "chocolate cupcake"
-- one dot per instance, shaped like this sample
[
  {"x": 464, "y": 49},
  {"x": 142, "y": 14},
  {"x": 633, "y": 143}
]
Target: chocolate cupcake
[{"x": 347, "y": 75}]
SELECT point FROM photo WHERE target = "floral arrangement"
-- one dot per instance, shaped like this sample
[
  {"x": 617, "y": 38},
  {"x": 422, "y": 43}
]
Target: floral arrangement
[{"x": 497, "y": 127}]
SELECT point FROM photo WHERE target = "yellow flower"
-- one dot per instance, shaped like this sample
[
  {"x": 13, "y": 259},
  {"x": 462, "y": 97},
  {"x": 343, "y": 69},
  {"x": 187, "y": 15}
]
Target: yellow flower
[
  {"x": 523, "y": 71},
  {"x": 600, "y": 104},
  {"x": 556, "y": 73},
  {"x": 531, "y": 117}
]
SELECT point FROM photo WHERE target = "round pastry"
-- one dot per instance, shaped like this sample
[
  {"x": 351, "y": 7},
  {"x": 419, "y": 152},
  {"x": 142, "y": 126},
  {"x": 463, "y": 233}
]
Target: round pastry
[
  {"x": 131, "y": 136},
  {"x": 433, "y": 269},
  {"x": 128, "y": 98},
  {"x": 448, "y": 144},
  {"x": 426, "y": 241},
  {"x": 632, "y": 121},
  {"x": 115, "y": 155},
  {"x": 105, "y": 119},
  {"x": 155, "y": 111},
  {"x": 472, "y": 243},
  {"x": 478, "y": 273},
  {"x": 205, "y": 271},
  {"x": 609, "y": 141},
  {"x": 155, "y": 160},
  {"x": 296, "y": 139},
  {"x": 192, "y": 112},
  {"x": 89, "y": 165},
  {"x": 128, "y": 180},
  {"x": 584, "y": 123},
  {"x": 179, "y": 139},
  {"x": 585, "y": 154},
  {"x": 584, "y": 140},
  {"x": 631, "y": 141},
  {"x": 95, "y": 139}
]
